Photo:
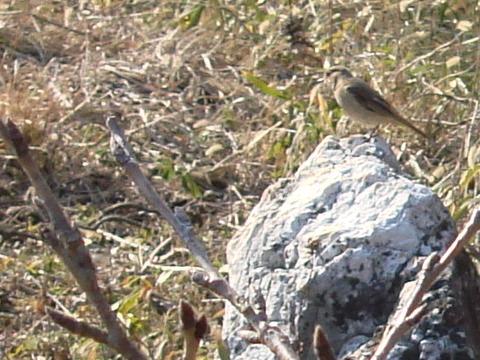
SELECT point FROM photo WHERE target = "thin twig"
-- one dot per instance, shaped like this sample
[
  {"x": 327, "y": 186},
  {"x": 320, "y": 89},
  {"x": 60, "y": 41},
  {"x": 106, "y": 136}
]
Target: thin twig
[
  {"x": 427, "y": 55},
  {"x": 154, "y": 253},
  {"x": 61, "y": 26},
  {"x": 471, "y": 128},
  {"x": 95, "y": 224}
]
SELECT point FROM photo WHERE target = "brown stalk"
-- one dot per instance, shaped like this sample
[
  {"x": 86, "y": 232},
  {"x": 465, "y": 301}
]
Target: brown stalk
[
  {"x": 406, "y": 316},
  {"x": 193, "y": 329},
  {"x": 321, "y": 346}
]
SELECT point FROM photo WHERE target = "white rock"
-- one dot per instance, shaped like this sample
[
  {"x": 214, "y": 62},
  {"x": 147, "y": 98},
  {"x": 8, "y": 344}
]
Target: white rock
[{"x": 333, "y": 245}]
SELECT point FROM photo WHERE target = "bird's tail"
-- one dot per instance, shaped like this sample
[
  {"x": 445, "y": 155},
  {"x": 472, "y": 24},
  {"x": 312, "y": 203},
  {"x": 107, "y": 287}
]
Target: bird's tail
[{"x": 408, "y": 124}]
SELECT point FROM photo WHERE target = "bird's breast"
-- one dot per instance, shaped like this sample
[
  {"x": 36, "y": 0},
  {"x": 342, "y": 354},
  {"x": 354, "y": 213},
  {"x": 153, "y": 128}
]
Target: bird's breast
[{"x": 356, "y": 111}]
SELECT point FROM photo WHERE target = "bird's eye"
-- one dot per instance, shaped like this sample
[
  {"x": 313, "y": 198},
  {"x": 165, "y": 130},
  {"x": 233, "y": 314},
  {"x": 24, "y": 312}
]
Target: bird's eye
[{"x": 331, "y": 73}]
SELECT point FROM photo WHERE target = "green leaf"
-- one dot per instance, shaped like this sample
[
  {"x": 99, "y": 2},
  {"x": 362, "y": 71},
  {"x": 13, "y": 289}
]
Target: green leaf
[
  {"x": 192, "y": 18},
  {"x": 261, "y": 85},
  {"x": 469, "y": 175},
  {"x": 166, "y": 169},
  {"x": 32, "y": 268},
  {"x": 29, "y": 344},
  {"x": 129, "y": 302},
  {"x": 191, "y": 186},
  {"x": 442, "y": 11},
  {"x": 223, "y": 351},
  {"x": 313, "y": 133},
  {"x": 462, "y": 210},
  {"x": 277, "y": 150}
]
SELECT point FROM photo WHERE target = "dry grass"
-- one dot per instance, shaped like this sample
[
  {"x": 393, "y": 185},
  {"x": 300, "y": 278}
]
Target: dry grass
[{"x": 217, "y": 98}]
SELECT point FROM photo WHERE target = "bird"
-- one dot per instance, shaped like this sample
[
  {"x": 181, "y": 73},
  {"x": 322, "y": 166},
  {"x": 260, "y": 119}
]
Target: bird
[{"x": 362, "y": 103}]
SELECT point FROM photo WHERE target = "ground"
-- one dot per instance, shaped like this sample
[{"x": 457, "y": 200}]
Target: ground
[{"x": 219, "y": 99}]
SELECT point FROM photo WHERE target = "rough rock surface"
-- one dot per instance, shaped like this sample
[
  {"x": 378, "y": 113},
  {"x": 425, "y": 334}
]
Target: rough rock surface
[{"x": 333, "y": 246}]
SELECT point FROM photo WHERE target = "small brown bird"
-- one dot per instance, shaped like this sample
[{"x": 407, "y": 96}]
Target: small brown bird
[{"x": 363, "y": 104}]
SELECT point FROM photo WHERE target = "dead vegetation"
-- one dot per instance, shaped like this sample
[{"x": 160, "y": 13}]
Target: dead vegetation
[{"x": 217, "y": 100}]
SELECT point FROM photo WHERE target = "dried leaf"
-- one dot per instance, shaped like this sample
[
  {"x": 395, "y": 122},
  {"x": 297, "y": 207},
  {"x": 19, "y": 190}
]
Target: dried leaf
[
  {"x": 453, "y": 61},
  {"x": 213, "y": 149},
  {"x": 404, "y": 4},
  {"x": 464, "y": 25}
]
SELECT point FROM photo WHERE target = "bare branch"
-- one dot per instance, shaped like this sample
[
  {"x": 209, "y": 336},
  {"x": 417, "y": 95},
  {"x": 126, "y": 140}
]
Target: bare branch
[
  {"x": 77, "y": 327},
  {"x": 15, "y": 141},
  {"x": 270, "y": 336},
  {"x": 70, "y": 246},
  {"x": 124, "y": 155}
]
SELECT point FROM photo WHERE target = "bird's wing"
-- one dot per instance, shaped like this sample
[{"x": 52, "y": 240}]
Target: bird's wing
[
  {"x": 370, "y": 99},
  {"x": 374, "y": 102}
]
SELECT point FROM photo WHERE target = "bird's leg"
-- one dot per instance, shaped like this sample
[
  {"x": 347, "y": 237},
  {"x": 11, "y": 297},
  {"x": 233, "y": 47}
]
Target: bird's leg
[{"x": 373, "y": 133}]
